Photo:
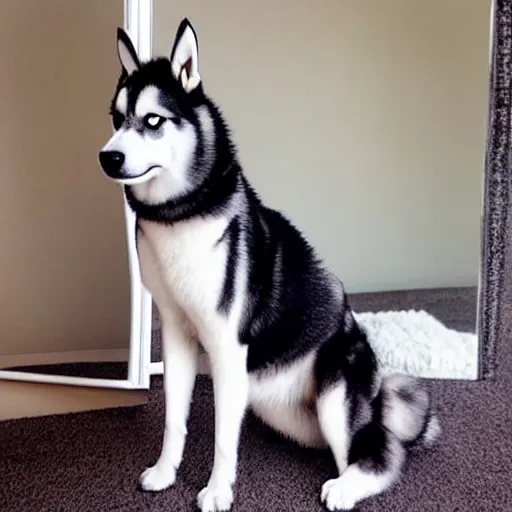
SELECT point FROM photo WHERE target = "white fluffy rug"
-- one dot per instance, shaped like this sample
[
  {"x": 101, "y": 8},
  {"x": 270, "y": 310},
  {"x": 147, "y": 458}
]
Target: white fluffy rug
[{"x": 416, "y": 343}]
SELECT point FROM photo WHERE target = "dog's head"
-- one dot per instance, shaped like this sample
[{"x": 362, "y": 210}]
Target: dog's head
[{"x": 163, "y": 122}]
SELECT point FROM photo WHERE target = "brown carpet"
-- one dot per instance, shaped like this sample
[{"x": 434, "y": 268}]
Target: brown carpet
[{"x": 91, "y": 461}]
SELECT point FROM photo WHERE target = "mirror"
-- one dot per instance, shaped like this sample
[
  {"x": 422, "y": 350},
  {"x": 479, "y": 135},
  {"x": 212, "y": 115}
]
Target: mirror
[
  {"x": 365, "y": 122},
  {"x": 66, "y": 279}
]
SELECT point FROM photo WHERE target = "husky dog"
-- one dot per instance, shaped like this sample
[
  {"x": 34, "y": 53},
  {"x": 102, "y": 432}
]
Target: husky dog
[{"x": 237, "y": 278}]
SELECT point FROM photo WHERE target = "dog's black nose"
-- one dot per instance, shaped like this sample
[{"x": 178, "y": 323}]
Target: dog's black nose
[{"x": 112, "y": 162}]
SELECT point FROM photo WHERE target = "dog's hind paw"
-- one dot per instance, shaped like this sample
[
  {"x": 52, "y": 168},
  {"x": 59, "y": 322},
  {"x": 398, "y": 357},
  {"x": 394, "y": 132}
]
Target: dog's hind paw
[
  {"x": 215, "y": 499},
  {"x": 157, "y": 477},
  {"x": 336, "y": 496}
]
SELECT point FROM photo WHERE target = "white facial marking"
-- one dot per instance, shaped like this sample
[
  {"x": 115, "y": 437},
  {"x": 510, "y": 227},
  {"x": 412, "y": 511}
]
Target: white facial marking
[
  {"x": 139, "y": 166},
  {"x": 122, "y": 101},
  {"x": 148, "y": 103},
  {"x": 137, "y": 180}
]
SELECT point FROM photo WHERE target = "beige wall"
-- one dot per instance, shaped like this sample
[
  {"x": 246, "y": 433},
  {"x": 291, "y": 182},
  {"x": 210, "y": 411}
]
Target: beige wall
[
  {"x": 364, "y": 121},
  {"x": 63, "y": 260}
]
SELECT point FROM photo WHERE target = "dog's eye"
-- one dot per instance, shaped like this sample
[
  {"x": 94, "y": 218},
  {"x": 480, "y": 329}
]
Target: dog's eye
[
  {"x": 153, "y": 122},
  {"x": 117, "y": 120}
]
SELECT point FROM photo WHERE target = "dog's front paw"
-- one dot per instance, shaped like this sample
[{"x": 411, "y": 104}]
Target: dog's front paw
[
  {"x": 215, "y": 498},
  {"x": 337, "y": 496},
  {"x": 157, "y": 477}
]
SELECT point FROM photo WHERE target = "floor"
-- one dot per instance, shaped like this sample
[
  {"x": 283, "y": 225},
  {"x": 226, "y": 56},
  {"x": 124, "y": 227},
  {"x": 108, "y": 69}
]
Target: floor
[{"x": 91, "y": 461}]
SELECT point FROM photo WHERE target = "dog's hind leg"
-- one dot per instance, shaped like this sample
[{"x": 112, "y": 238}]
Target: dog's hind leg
[
  {"x": 180, "y": 356},
  {"x": 369, "y": 457},
  {"x": 333, "y": 417},
  {"x": 368, "y": 461},
  {"x": 375, "y": 460},
  {"x": 401, "y": 419}
]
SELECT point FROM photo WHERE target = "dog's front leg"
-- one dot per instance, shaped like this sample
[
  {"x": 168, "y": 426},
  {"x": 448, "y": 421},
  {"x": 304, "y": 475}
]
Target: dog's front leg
[
  {"x": 180, "y": 356},
  {"x": 230, "y": 386}
]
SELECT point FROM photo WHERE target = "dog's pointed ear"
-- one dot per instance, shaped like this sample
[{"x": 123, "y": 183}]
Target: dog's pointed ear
[
  {"x": 126, "y": 52},
  {"x": 185, "y": 57}
]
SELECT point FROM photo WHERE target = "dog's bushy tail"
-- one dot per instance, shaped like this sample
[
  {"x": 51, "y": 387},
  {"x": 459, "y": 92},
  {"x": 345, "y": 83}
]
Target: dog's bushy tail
[{"x": 407, "y": 411}]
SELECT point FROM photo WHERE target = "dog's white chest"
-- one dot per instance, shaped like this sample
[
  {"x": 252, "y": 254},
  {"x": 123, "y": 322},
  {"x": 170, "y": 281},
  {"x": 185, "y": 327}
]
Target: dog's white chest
[{"x": 183, "y": 263}]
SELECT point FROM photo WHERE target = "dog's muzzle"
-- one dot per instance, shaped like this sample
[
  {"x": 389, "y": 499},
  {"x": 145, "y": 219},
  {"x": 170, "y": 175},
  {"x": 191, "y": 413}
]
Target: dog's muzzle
[{"x": 112, "y": 163}]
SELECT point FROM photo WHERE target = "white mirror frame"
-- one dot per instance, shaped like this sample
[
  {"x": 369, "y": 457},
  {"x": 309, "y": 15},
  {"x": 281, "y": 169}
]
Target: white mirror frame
[{"x": 138, "y": 21}]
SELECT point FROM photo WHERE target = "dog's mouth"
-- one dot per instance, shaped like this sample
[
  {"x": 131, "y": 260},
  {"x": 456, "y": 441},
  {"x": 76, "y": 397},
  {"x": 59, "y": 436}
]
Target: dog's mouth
[{"x": 151, "y": 172}]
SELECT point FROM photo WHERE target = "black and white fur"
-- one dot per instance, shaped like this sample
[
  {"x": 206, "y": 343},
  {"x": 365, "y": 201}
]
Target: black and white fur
[{"x": 237, "y": 278}]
